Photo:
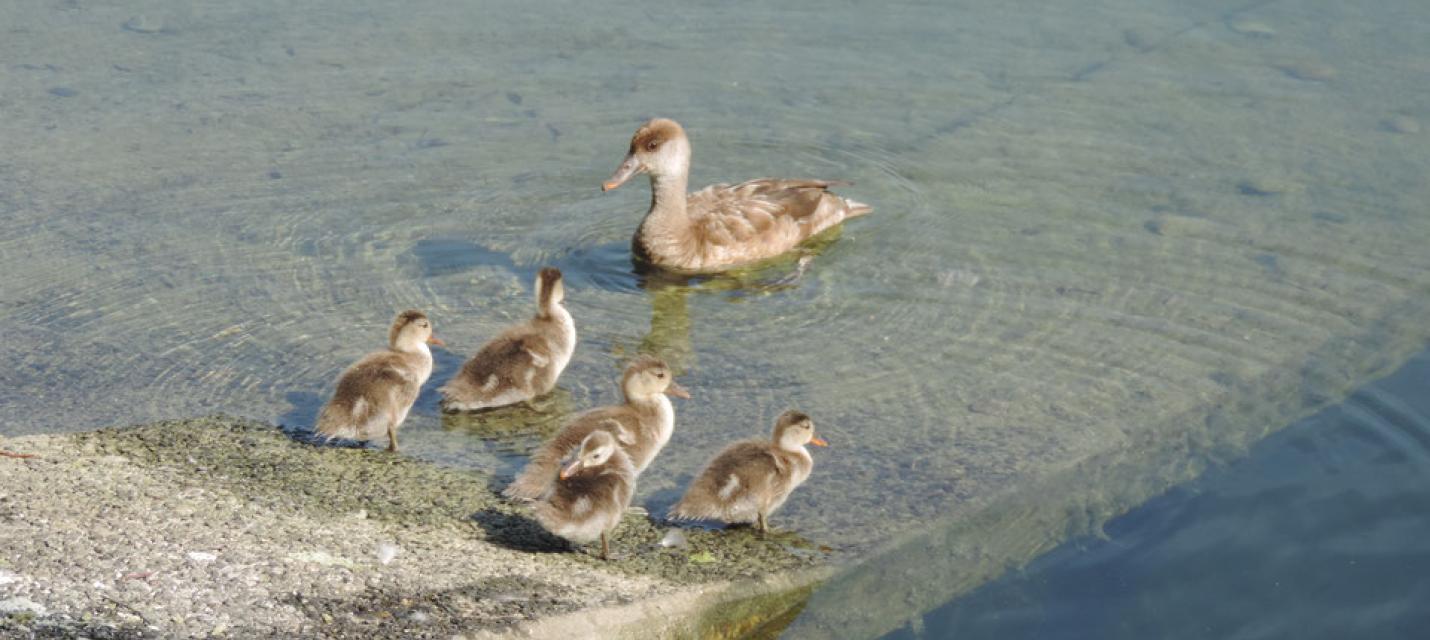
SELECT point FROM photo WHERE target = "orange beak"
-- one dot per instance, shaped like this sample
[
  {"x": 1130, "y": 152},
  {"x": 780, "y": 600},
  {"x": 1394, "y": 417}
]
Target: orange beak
[
  {"x": 435, "y": 340},
  {"x": 570, "y": 469},
  {"x": 628, "y": 168},
  {"x": 819, "y": 442},
  {"x": 676, "y": 390}
]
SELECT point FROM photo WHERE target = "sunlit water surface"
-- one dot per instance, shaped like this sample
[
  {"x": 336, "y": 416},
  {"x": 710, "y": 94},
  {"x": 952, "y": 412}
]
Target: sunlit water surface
[{"x": 1094, "y": 223}]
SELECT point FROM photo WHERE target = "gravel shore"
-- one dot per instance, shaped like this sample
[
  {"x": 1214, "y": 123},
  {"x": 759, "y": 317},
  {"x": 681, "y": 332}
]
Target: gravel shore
[{"x": 222, "y": 527}]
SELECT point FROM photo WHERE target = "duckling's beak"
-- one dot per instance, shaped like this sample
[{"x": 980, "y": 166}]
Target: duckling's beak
[
  {"x": 435, "y": 340},
  {"x": 676, "y": 390},
  {"x": 571, "y": 469},
  {"x": 630, "y": 167},
  {"x": 819, "y": 442}
]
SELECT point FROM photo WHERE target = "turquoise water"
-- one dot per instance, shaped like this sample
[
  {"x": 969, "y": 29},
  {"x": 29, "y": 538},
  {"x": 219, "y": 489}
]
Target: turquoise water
[
  {"x": 1108, "y": 238},
  {"x": 1318, "y": 533}
]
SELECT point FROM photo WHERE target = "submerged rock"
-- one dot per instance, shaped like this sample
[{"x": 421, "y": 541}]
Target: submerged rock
[
  {"x": 1308, "y": 71},
  {"x": 1251, "y": 28},
  {"x": 1401, "y": 123}
]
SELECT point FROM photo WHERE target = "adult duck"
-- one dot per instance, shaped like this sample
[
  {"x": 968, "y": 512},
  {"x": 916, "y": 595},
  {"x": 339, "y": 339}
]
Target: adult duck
[{"x": 722, "y": 225}]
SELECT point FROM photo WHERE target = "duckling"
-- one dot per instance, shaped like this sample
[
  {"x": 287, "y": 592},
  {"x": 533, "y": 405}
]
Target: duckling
[
  {"x": 592, "y": 492},
  {"x": 641, "y": 426},
  {"x": 722, "y": 225},
  {"x": 375, "y": 394},
  {"x": 522, "y": 362},
  {"x": 749, "y": 480}
]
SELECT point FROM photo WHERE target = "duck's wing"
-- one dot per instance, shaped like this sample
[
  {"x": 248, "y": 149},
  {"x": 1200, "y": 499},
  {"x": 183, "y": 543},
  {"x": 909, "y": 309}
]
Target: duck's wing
[
  {"x": 367, "y": 395},
  {"x": 537, "y": 478},
  {"x": 772, "y": 212},
  {"x": 504, "y": 371},
  {"x": 730, "y": 486}
]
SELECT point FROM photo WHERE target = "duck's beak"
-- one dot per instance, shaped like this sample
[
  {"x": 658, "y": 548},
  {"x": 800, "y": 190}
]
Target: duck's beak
[
  {"x": 819, "y": 442},
  {"x": 676, "y": 390},
  {"x": 630, "y": 167},
  {"x": 571, "y": 469},
  {"x": 435, "y": 340}
]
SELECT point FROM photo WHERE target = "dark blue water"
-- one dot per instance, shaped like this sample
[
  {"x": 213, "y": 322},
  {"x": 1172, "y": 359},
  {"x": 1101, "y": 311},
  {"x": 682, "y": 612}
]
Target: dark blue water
[{"x": 1323, "y": 531}]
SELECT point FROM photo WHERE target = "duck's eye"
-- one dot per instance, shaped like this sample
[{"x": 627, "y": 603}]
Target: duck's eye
[{"x": 650, "y": 146}]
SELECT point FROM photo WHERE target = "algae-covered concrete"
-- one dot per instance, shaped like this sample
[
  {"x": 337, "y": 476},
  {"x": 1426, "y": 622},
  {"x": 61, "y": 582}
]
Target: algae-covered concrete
[{"x": 228, "y": 528}]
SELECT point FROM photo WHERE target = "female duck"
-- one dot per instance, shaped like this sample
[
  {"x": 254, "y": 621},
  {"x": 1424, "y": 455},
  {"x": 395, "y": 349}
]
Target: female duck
[
  {"x": 721, "y": 225},
  {"x": 592, "y": 493},
  {"x": 522, "y": 362},
  {"x": 749, "y": 480},
  {"x": 375, "y": 394},
  {"x": 641, "y": 426}
]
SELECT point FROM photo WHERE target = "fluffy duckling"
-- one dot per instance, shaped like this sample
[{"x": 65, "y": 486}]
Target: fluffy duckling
[
  {"x": 721, "y": 225},
  {"x": 592, "y": 492},
  {"x": 375, "y": 394},
  {"x": 750, "y": 479},
  {"x": 641, "y": 426},
  {"x": 522, "y": 362}
]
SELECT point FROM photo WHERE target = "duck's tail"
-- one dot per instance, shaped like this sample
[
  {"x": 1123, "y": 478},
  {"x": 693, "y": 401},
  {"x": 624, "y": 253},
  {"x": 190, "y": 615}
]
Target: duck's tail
[
  {"x": 332, "y": 423},
  {"x": 855, "y": 208}
]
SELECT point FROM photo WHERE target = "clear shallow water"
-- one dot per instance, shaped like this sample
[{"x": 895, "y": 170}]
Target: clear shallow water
[
  {"x": 1318, "y": 533},
  {"x": 1093, "y": 225}
]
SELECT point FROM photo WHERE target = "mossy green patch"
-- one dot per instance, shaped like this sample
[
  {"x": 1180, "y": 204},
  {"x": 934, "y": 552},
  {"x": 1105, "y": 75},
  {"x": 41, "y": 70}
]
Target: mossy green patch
[{"x": 262, "y": 463}]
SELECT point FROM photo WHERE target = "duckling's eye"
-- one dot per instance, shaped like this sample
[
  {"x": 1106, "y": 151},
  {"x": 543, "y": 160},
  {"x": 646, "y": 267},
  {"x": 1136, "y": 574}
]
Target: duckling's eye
[
  {"x": 660, "y": 375},
  {"x": 650, "y": 146}
]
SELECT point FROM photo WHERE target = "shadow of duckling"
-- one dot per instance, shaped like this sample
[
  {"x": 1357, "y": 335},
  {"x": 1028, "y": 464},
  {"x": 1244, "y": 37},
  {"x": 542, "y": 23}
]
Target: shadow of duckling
[{"x": 518, "y": 532}]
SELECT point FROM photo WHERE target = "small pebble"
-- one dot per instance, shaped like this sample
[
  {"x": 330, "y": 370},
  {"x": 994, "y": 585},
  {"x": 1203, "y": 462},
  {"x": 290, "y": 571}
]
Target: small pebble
[
  {"x": 1263, "y": 186},
  {"x": 202, "y": 556},
  {"x": 1137, "y": 39},
  {"x": 386, "y": 551},
  {"x": 1400, "y": 123},
  {"x": 1309, "y": 71},
  {"x": 63, "y": 92},
  {"x": 143, "y": 24},
  {"x": 674, "y": 538},
  {"x": 1252, "y": 28}
]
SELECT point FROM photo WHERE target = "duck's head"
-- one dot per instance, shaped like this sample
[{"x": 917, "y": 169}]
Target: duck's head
[
  {"x": 549, "y": 289},
  {"x": 410, "y": 330},
  {"x": 794, "y": 429},
  {"x": 596, "y": 450},
  {"x": 649, "y": 377},
  {"x": 659, "y": 148}
]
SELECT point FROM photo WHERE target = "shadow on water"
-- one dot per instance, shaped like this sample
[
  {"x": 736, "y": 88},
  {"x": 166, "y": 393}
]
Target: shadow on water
[{"x": 445, "y": 256}]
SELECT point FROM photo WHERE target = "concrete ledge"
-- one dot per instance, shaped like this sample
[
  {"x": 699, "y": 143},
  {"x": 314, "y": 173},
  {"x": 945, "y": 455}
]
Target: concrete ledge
[{"x": 225, "y": 527}]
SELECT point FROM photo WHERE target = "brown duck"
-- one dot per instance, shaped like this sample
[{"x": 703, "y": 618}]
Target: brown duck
[
  {"x": 522, "y": 362},
  {"x": 591, "y": 493},
  {"x": 374, "y": 395},
  {"x": 641, "y": 426},
  {"x": 722, "y": 225},
  {"x": 749, "y": 480}
]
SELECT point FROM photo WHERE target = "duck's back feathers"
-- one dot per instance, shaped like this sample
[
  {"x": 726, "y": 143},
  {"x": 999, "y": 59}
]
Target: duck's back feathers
[
  {"x": 580, "y": 507},
  {"x": 376, "y": 391},
  {"x": 759, "y": 219},
  {"x": 740, "y": 482},
  {"x": 539, "y": 476},
  {"x": 518, "y": 365}
]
